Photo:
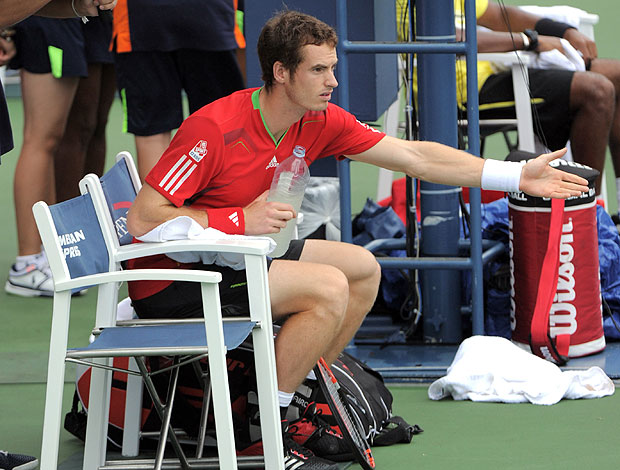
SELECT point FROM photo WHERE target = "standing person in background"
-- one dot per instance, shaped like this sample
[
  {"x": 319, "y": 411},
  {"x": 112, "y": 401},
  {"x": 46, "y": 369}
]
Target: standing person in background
[
  {"x": 82, "y": 149},
  {"x": 159, "y": 52},
  {"x": 13, "y": 11},
  {"x": 45, "y": 121},
  {"x": 50, "y": 58}
]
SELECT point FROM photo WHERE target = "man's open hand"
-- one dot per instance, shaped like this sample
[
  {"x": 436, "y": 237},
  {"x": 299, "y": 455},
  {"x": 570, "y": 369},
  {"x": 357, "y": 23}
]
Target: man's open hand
[{"x": 540, "y": 179}]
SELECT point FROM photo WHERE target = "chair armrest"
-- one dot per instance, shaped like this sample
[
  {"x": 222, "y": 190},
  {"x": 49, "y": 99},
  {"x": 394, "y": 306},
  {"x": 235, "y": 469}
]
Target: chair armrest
[
  {"x": 190, "y": 275},
  {"x": 241, "y": 246},
  {"x": 507, "y": 58}
]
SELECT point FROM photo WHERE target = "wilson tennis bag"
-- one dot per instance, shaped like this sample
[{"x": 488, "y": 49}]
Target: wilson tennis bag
[{"x": 554, "y": 271}]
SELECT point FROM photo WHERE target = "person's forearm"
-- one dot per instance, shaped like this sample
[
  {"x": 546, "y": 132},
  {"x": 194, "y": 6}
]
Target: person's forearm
[
  {"x": 13, "y": 11},
  {"x": 57, "y": 9},
  {"x": 492, "y": 41},
  {"x": 442, "y": 164},
  {"x": 429, "y": 161},
  {"x": 510, "y": 19},
  {"x": 151, "y": 209}
]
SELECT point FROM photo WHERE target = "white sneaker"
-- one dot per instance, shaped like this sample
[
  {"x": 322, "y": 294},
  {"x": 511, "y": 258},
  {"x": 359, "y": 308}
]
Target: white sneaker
[{"x": 31, "y": 281}]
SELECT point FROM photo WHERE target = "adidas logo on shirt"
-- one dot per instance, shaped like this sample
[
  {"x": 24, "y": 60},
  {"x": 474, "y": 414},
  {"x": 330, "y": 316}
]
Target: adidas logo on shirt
[
  {"x": 234, "y": 218},
  {"x": 272, "y": 164}
]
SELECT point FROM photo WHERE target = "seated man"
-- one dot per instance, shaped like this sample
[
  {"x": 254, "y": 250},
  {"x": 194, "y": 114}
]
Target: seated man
[
  {"x": 220, "y": 164},
  {"x": 580, "y": 106}
]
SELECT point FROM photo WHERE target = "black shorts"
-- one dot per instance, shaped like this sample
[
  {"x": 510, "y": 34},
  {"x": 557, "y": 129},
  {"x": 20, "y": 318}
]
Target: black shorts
[
  {"x": 151, "y": 85},
  {"x": 97, "y": 34},
  {"x": 550, "y": 91},
  {"x": 53, "y": 45},
  {"x": 184, "y": 299}
]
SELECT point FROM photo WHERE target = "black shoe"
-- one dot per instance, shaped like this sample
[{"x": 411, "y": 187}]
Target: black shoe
[
  {"x": 297, "y": 457},
  {"x": 17, "y": 461},
  {"x": 313, "y": 432}
]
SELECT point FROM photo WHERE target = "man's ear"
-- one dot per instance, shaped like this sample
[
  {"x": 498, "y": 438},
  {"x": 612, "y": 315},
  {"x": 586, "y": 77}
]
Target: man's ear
[{"x": 280, "y": 73}]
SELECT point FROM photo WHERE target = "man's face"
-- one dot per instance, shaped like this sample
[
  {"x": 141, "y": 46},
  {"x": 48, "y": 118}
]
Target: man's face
[{"x": 311, "y": 85}]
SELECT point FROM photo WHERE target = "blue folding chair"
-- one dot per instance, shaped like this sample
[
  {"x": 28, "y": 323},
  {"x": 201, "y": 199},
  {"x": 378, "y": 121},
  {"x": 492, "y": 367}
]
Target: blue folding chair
[{"x": 82, "y": 241}]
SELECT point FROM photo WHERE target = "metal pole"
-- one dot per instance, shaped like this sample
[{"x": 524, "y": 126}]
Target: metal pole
[
  {"x": 473, "y": 139},
  {"x": 439, "y": 203}
]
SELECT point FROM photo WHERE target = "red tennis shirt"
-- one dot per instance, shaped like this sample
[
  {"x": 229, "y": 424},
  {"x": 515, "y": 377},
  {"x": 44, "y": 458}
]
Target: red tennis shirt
[{"x": 223, "y": 155}]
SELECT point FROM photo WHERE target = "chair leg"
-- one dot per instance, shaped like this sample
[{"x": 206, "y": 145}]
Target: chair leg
[
  {"x": 204, "y": 379},
  {"x": 133, "y": 413},
  {"x": 55, "y": 382},
  {"x": 98, "y": 413},
  {"x": 227, "y": 453},
  {"x": 165, "y": 413}
]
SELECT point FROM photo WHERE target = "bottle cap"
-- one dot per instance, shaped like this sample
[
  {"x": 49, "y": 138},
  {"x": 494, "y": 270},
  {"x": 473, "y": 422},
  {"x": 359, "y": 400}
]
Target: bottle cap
[{"x": 299, "y": 151}]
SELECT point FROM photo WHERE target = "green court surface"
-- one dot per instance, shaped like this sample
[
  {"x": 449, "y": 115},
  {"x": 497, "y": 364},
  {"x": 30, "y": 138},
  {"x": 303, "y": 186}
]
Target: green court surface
[{"x": 569, "y": 435}]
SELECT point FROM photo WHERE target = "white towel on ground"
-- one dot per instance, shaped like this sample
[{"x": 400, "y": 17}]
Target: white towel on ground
[
  {"x": 184, "y": 227},
  {"x": 493, "y": 369}
]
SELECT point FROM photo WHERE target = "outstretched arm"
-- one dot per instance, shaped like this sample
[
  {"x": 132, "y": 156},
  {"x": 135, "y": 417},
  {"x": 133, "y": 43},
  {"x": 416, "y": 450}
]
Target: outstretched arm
[{"x": 439, "y": 163}]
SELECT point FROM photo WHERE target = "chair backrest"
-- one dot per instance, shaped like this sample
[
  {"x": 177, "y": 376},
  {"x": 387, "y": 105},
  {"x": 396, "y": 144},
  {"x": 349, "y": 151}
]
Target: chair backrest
[
  {"x": 119, "y": 184},
  {"x": 72, "y": 238}
]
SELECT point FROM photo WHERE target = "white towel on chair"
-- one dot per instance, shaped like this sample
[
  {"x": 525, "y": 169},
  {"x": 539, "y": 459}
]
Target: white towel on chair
[
  {"x": 555, "y": 59},
  {"x": 493, "y": 369},
  {"x": 184, "y": 227}
]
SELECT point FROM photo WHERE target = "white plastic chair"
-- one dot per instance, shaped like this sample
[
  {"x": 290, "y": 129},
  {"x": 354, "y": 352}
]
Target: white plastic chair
[{"x": 82, "y": 230}]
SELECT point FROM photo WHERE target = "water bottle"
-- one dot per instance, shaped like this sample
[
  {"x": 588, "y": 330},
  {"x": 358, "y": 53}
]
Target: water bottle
[{"x": 288, "y": 185}]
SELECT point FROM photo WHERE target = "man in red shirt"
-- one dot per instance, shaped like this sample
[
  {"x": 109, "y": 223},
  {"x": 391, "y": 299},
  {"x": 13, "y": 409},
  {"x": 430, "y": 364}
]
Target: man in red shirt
[{"x": 218, "y": 168}]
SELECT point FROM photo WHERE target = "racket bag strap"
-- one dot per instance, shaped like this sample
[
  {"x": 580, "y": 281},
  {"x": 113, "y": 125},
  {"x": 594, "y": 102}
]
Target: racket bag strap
[
  {"x": 395, "y": 431},
  {"x": 541, "y": 342}
]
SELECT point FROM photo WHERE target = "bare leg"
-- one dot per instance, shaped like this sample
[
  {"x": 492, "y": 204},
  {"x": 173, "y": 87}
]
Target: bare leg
[
  {"x": 327, "y": 294},
  {"x": 82, "y": 148},
  {"x": 96, "y": 153},
  {"x": 47, "y": 101},
  {"x": 149, "y": 149},
  {"x": 363, "y": 275},
  {"x": 611, "y": 70},
  {"x": 592, "y": 100}
]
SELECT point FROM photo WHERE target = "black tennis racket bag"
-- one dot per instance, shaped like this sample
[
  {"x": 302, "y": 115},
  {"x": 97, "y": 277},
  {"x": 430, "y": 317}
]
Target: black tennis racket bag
[{"x": 369, "y": 399}]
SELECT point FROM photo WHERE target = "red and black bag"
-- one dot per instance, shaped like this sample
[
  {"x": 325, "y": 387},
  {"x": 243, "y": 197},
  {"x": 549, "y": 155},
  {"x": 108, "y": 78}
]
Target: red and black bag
[{"x": 364, "y": 388}]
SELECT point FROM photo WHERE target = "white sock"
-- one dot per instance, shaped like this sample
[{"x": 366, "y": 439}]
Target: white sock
[
  {"x": 22, "y": 261},
  {"x": 285, "y": 398}
]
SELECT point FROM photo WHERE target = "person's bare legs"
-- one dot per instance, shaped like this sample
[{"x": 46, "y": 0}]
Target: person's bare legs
[
  {"x": 363, "y": 275},
  {"x": 74, "y": 149},
  {"x": 96, "y": 153},
  {"x": 46, "y": 101},
  {"x": 610, "y": 68},
  {"x": 592, "y": 100},
  {"x": 327, "y": 295},
  {"x": 149, "y": 149}
]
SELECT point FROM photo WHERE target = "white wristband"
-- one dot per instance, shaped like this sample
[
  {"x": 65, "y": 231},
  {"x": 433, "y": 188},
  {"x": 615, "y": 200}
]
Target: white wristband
[{"x": 501, "y": 176}]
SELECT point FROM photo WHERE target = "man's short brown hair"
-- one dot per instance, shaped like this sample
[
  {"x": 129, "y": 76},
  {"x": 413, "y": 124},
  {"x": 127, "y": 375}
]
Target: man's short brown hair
[{"x": 284, "y": 35}]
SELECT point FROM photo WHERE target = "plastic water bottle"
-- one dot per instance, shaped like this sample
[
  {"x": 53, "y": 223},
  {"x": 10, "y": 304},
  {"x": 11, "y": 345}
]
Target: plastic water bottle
[{"x": 288, "y": 186}]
